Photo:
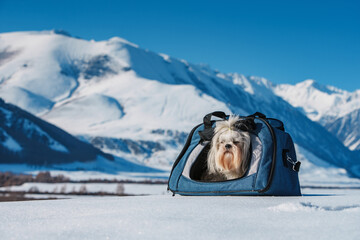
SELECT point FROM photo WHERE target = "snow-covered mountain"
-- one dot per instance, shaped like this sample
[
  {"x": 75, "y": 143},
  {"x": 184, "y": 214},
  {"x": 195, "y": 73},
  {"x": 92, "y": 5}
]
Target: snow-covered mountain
[
  {"x": 347, "y": 129},
  {"x": 30, "y": 143},
  {"x": 138, "y": 104},
  {"x": 335, "y": 109},
  {"x": 25, "y": 138}
]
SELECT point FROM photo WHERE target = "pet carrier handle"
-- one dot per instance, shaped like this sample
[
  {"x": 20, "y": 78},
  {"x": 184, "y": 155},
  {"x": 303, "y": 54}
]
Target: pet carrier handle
[
  {"x": 207, "y": 118},
  {"x": 208, "y": 132}
]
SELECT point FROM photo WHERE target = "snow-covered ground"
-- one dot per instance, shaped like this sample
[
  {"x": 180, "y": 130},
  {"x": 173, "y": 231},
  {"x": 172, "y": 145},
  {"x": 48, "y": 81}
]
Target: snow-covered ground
[
  {"x": 319, "y": 214},
  {"x": 90, "y": 188}
]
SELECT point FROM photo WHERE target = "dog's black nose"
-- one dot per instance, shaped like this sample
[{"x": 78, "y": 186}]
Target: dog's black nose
[{"x": 228, "y": 146}]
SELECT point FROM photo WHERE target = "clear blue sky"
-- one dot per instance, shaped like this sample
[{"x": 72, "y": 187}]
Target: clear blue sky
[{"x": 283, "y": 41}]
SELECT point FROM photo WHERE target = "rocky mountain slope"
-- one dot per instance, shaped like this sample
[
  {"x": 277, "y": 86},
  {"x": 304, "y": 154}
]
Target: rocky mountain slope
[{"x": 25, "y": 138}]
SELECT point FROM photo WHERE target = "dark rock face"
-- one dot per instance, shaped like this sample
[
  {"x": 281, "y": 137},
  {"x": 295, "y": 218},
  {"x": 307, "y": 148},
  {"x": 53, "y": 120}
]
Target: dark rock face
[{"x": 97, "y": 66}]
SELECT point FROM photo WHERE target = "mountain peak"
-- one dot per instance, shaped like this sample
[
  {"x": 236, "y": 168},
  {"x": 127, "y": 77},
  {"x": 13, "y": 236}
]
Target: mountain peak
[
  {"x": 312, "y": 84},
  {"x": 309, "y": 83},
  {"x": 61, "y": 32},
  {"x": 118, "y": 40}
]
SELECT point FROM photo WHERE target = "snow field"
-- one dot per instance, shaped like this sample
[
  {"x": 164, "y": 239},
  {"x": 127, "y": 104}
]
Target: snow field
[
  {"x": 320, "y": 214},
  {"x": 58, "y": 188}
]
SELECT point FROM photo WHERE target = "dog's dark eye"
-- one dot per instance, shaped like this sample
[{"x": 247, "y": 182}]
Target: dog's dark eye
[{"x": 236, "y": 142}]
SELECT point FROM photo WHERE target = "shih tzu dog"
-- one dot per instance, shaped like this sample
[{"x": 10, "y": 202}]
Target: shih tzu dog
[{"x": 228, "y": 155}]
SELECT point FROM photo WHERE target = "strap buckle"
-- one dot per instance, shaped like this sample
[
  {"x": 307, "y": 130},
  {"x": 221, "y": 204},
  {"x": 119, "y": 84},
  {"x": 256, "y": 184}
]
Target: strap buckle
[{"x": 295, "y": 164}]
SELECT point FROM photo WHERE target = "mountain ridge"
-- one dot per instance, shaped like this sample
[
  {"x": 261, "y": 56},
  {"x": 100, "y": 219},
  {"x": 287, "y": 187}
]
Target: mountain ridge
[
  {"x": 155, "y": 92},
  {"x": 326, "y": 105}
]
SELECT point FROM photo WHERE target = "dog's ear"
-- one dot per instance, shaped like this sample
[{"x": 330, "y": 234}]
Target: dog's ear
[{"x": 247, "y": 125}]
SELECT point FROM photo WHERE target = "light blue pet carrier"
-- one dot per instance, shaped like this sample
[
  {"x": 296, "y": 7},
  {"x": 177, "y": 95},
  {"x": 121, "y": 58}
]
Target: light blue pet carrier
[{"x": 273, "y": 168}]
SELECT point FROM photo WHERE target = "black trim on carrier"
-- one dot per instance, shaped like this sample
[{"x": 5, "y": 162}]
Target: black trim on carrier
[
  {"x": 274, "y": 157},
  {"x": 187, "y": 144}
]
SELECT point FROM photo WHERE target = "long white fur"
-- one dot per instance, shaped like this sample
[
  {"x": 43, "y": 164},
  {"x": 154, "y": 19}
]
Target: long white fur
[{"x": 226, "y": 133}]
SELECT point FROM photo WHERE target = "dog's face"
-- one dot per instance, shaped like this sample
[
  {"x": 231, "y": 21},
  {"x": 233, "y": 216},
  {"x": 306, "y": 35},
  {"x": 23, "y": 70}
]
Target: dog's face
[{"x": 229, "y": 150}]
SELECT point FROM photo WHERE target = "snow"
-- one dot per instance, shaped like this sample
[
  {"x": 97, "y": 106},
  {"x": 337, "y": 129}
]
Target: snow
[
  {"x": 26, "y": 100},
  {"x": 243, "y": 82},
  {"x": 117, "y": 90},
  {"x": 313, "y": 171},
  {"x": 10, "y": 143},
  {"x": 58, "y": 188},
  {"x": 319, "y": 214},
  {"x": 337, "y": 110},
  {"x": 354, "y": 145},
  {"x": 87, "y": 111},
  {"x": 8, "y": 116},
  {"x": 114, "y": 89},
  {"x": 320, "y": 103},
  {"x": 347, "y": 129},
  {"x": 75, "y": 174},
  {"x": 33, "y": 130},
  {"x": 101, "y": 168},
  {"x": 317, "y": 172},
  {"x": 55, "y": 74}
]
